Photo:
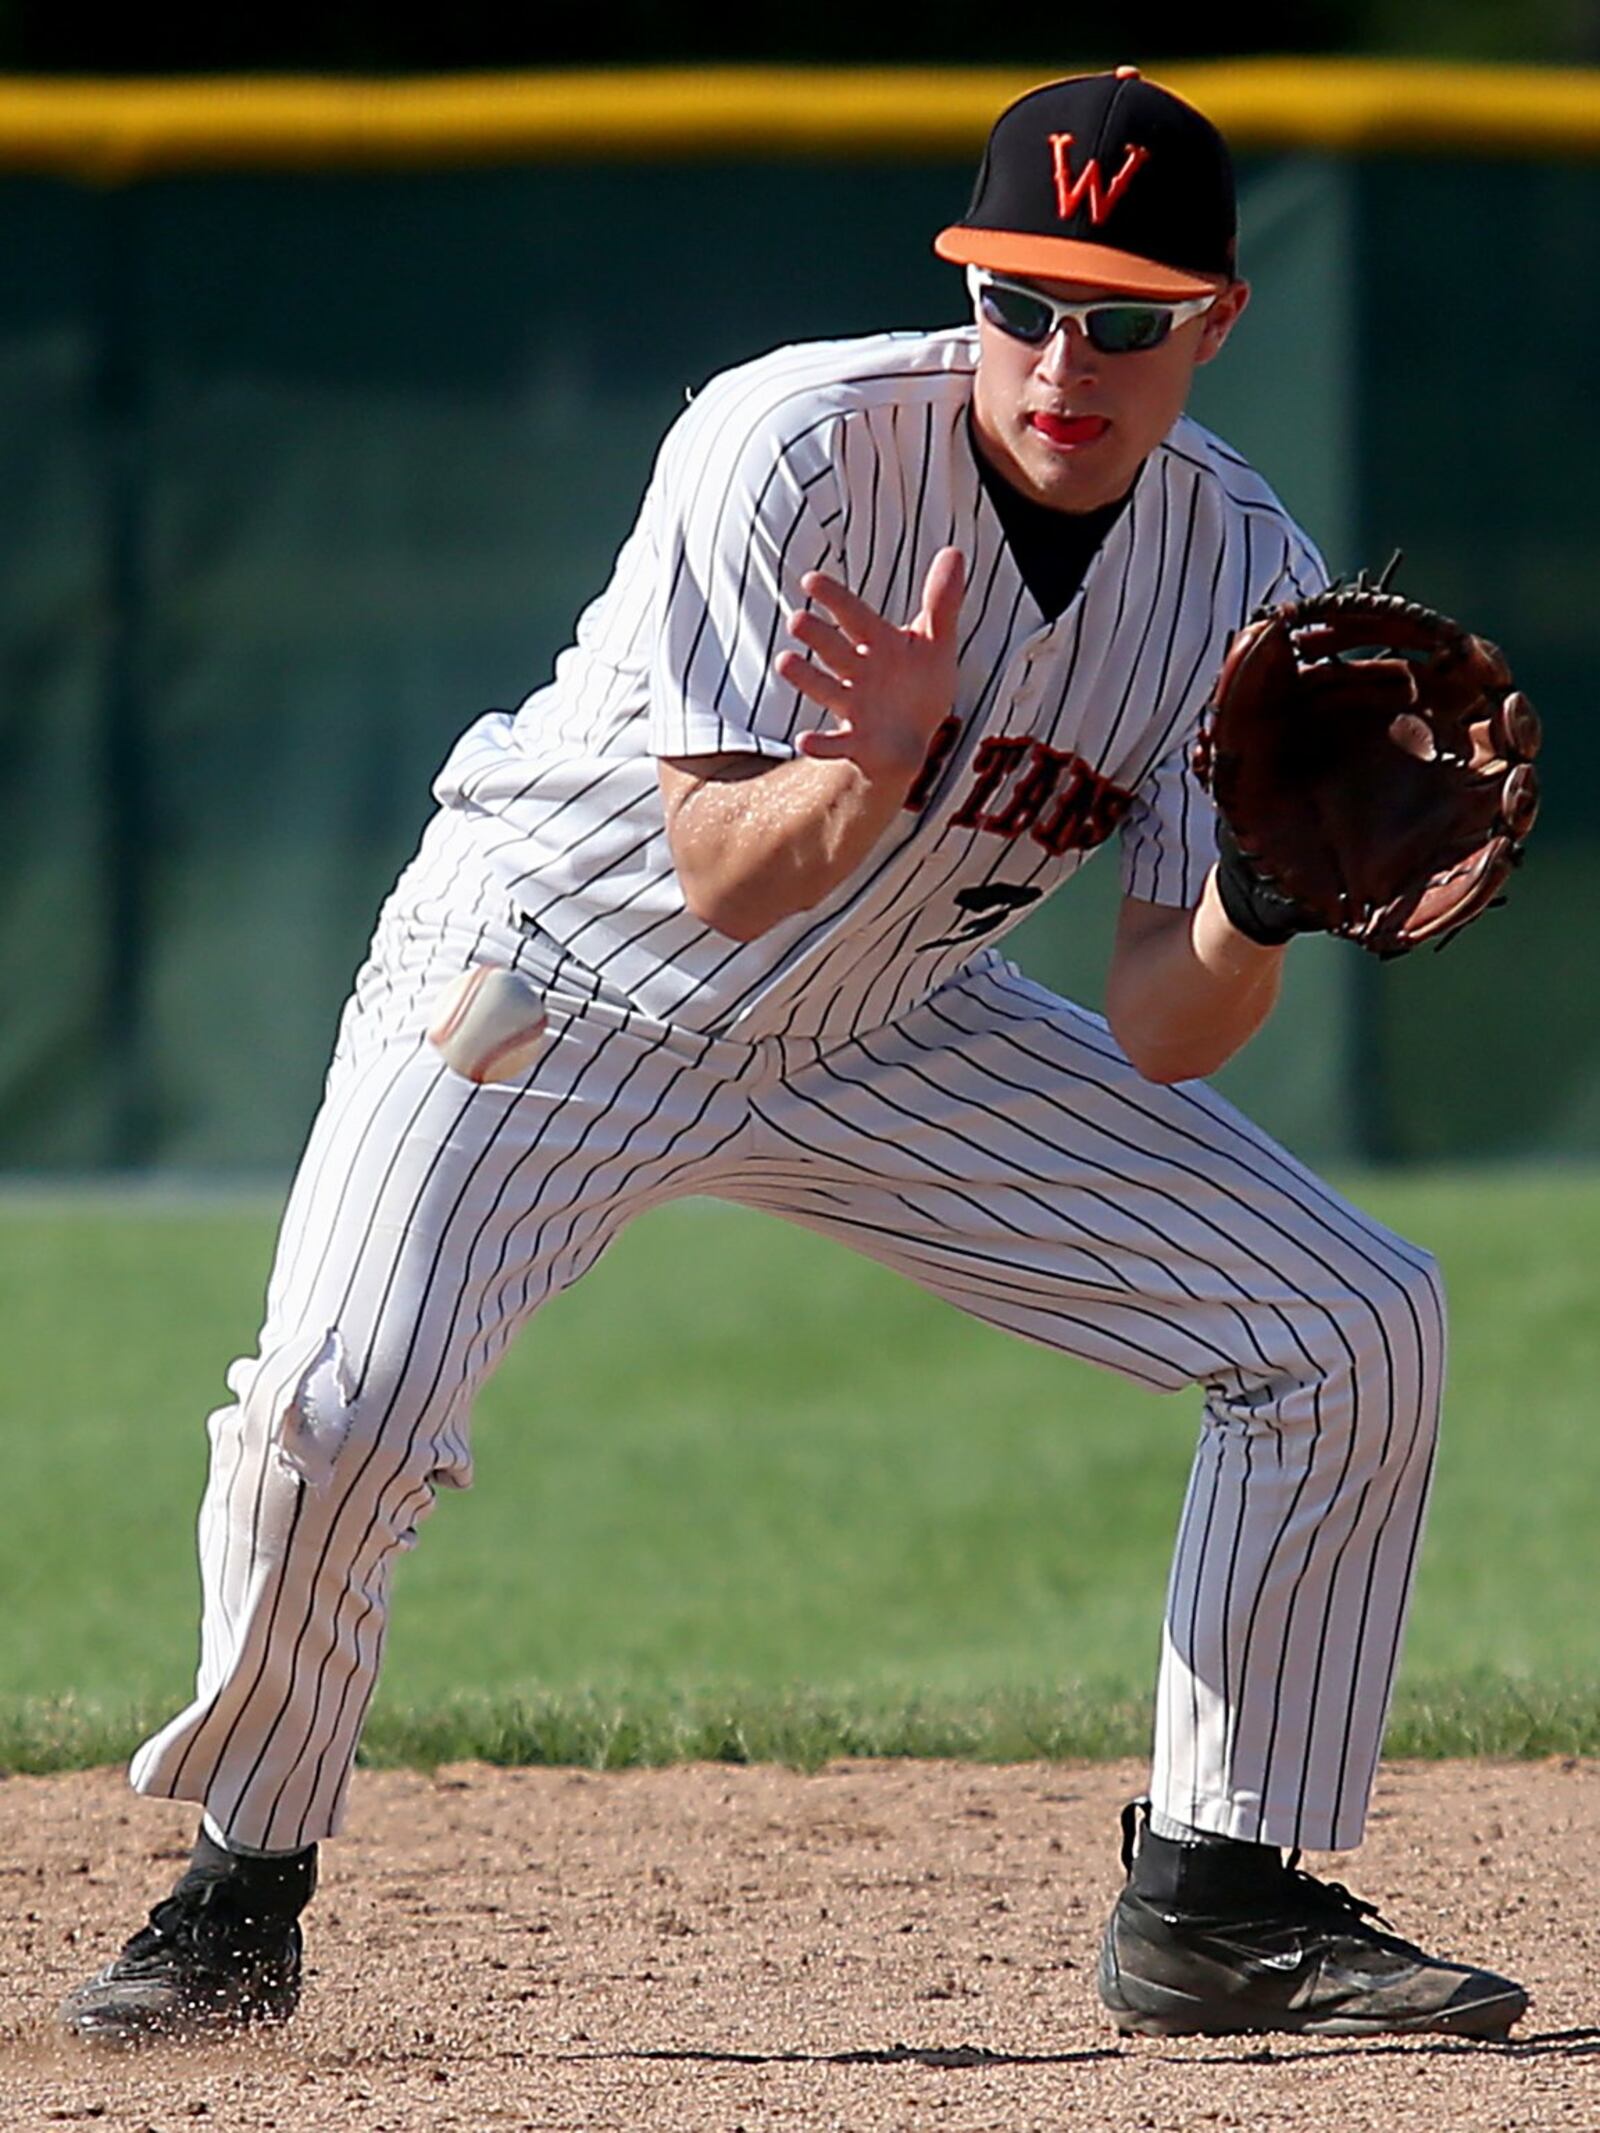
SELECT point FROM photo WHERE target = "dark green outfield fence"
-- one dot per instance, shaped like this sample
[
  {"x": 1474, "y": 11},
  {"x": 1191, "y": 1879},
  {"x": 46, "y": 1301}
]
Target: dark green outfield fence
[{"x": 299, "y": 470}]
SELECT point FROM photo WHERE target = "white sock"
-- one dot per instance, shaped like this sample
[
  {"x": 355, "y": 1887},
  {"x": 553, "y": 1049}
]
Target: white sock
[
  {"x": 231, "y": 1844},
  {"x": 1175, "y": 1832}
]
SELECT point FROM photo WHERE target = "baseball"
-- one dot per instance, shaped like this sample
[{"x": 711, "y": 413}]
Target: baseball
[{"x": 488, "y": 1024}]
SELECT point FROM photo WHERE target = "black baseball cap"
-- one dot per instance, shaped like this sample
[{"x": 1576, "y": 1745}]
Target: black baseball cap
[{"x": 1108, "y": 179}]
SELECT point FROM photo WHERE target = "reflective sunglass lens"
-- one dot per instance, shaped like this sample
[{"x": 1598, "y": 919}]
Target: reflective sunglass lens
[
  {"x": 1125, "y": 329},
  {"x": 1014, "y": 311},
  {"x": 1114, "y": 329}
]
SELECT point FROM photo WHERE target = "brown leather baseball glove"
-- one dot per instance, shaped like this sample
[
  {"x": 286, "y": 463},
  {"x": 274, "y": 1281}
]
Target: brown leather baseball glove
[{"x": 1371, "y": 762}]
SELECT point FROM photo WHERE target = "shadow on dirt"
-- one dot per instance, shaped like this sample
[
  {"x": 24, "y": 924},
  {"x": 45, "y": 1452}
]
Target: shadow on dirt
[
  {"x": 1552, "y": 2044},
  {"x": 959, "y": 2055}
]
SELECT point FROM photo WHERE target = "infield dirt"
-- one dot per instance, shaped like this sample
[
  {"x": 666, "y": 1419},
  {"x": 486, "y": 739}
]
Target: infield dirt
[{"x": 726, "y": 1950}]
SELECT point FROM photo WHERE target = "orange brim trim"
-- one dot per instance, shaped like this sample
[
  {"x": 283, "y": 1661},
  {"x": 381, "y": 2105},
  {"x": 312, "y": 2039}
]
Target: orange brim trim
[{"x": 1066, "y": 259}]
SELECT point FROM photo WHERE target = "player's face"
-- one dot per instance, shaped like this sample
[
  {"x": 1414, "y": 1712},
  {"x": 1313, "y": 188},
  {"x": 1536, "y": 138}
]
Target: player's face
[{"x": 1071, "y": 427}]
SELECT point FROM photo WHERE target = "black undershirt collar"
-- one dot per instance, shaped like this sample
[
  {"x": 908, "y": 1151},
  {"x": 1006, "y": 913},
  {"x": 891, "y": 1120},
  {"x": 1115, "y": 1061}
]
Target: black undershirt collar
[{"x": 1052, "y": 549}]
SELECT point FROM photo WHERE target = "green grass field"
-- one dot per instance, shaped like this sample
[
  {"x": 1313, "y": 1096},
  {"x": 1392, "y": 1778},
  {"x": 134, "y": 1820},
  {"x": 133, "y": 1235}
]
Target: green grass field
[{"x": 741, "y": 1493}]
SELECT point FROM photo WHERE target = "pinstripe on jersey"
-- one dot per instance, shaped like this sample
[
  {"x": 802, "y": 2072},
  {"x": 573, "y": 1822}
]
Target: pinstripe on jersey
[{"x": 855, "y": 457}]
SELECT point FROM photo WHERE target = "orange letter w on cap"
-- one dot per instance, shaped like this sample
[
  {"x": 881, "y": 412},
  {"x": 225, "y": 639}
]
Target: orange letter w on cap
[{"x": 1071, "y": 190}]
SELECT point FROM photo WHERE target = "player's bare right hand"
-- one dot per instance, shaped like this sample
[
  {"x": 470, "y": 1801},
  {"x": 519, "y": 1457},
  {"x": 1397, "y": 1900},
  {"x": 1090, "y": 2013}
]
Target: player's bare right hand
[{"x": 887, "y": 688}]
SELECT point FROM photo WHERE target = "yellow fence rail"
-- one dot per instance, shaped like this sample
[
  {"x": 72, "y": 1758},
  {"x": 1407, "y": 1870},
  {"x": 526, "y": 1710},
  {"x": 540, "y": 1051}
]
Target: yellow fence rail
[{"x": 113, "y": 131}]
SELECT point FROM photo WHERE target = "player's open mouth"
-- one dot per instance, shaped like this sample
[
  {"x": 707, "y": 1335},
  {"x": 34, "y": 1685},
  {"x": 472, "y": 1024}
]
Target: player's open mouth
[{"x": 1068, "y": 430}]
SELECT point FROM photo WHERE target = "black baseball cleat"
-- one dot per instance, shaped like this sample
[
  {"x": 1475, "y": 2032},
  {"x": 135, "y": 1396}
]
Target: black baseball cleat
[
  {"x": 219, "y": 1956},
  {"x": 1216, "y": 1939}
]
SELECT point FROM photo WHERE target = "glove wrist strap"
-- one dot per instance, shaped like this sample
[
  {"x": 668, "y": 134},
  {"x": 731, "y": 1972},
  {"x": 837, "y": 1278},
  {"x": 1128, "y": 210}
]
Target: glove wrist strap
[{"x": 1253, "y": 905}]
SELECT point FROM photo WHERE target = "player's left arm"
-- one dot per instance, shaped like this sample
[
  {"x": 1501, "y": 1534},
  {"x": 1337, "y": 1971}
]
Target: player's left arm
[{"x": 1185, "y": 990}]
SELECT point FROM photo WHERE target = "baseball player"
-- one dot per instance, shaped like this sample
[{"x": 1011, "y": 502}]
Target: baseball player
[{"x": 907, "y": 627}]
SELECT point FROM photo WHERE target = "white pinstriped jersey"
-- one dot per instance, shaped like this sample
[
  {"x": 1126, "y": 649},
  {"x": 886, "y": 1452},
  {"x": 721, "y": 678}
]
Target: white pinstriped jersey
[{"x": 855, "y": 457}]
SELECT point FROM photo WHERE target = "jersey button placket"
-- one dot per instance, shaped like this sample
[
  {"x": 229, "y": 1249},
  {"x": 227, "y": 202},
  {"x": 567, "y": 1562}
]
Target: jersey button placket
[{"x": 1023, "y": 689}]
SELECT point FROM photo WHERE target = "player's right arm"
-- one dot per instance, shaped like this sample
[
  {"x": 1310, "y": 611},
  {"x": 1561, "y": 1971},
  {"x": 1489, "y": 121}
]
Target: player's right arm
[{"x": 754, "y": 840}]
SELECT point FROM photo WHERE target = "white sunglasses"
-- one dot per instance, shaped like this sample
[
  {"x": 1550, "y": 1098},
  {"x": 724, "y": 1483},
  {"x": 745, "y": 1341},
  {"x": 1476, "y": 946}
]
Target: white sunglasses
[{"x": 1118, "y": 326}]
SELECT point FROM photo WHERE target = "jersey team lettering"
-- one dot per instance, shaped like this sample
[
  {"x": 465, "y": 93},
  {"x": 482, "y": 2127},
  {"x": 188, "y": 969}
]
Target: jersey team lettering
[{"x": 1084, "y": 807}]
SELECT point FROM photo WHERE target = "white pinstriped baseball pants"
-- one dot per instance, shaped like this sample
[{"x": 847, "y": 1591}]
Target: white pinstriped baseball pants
[{"x": 993, "y": 1145}]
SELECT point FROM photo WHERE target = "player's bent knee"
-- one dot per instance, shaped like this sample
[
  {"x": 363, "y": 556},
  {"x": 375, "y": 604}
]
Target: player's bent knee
[
  {"x": 1414, "y": 1304},
  {"x": 315, "y": 1425},
  {"x": 313, "y": 1421},
  {"x": 1395, "y": 1328}
]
